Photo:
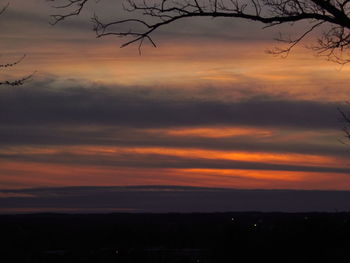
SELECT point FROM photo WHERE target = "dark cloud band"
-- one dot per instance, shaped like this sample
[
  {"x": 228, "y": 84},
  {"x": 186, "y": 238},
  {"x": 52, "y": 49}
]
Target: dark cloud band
[
  {"x": 127, "y": 107},
  {"x": 171, "y": 199}
]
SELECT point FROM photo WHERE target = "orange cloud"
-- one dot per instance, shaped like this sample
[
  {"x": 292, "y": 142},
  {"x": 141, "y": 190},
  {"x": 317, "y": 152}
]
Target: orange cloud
[
  {"x": 115, "y": 152},
  {"x": 213, "y": 132},
  {"x": 24, "y": 175}
]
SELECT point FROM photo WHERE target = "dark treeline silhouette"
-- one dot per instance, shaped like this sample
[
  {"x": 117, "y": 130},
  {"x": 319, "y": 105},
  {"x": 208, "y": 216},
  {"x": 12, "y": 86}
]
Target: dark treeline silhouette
[{"x": 167, "y": 238}]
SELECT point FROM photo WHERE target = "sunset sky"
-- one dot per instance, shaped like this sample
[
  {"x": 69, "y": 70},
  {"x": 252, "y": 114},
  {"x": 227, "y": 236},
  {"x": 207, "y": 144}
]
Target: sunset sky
[{"x": 207, "y": 108}]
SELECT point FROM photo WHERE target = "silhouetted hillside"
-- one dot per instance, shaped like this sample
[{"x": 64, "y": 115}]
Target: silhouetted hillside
[{"x": 153, "y": 238}]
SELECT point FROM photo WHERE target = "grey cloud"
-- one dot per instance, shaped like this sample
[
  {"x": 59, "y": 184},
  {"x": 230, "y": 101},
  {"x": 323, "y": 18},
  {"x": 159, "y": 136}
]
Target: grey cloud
[
  {"x": 127, "y": 107},
  {"x": 51, "y": 112}
]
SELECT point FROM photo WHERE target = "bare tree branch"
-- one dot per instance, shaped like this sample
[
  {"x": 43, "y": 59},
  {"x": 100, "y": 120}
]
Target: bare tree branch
[
  {"x": 2, "y": 10},
  {"x": 334, "y": 43},
  {"x": 13, "y": 63},
  {"x": 345, "y": 119},
  {"x": 77, "y": 5},
  {"x": 16, "y": 82}
]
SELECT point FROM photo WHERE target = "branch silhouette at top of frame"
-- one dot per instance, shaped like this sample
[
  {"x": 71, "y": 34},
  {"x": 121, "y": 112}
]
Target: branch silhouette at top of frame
[
  {"x": 334, "y": 42},
  {"x": 333, "y": 15},
  {"x": 16, "y": 82}
]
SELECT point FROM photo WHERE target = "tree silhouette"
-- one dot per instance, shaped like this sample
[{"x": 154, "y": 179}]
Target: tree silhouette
[
  {"x": 16, "y": 82},
  {"x": 332, "y": 16},
  {"x": 345, "y": 118}
]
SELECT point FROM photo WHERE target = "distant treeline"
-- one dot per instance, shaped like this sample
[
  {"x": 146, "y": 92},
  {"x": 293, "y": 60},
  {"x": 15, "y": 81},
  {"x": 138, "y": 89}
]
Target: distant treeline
[{"x": 175, "y": 238}]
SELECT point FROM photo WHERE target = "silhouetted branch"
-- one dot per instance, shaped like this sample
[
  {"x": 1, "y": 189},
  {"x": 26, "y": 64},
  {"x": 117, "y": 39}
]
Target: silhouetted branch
[
  {"x": 2, "y": 10},
  {"x": 158, "y": 13},
  {"x": 13, "y": 63},
  {"x": 18, "y": 81},
  {"x": 77, "y": 4},
  {"x": 345, "y": 118}
]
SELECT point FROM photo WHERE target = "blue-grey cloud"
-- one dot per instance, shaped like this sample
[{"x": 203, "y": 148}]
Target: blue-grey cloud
[
  {"x": 42, "y": 114},
  {"x": 127, "y": 107}
]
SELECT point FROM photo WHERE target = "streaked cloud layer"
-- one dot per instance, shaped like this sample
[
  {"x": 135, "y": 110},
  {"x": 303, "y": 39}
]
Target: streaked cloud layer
[
  {"x": 208, "y": 108},
  {"x": 119, "y": 135}
]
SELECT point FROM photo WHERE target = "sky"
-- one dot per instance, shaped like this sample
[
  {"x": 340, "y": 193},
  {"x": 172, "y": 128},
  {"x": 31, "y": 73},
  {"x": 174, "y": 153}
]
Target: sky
[{"x": 209, "y": 107}]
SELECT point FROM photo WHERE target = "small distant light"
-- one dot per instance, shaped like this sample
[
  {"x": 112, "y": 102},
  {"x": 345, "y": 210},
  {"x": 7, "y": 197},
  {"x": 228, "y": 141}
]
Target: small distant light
[
  {"x": 255, "y": 225},
  {"x": 117, "y": 252},
  {"x": 232, "y": 219}
]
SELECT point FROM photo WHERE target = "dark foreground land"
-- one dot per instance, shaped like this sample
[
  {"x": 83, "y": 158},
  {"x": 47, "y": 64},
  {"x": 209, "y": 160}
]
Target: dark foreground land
[{"x": 153, "y": 238}]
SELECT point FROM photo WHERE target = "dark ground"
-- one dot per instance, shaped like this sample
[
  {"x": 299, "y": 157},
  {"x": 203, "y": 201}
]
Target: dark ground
[{"x": 172, "y": 238}]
